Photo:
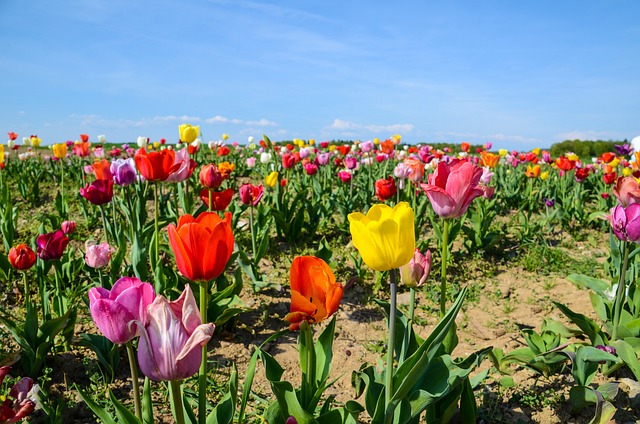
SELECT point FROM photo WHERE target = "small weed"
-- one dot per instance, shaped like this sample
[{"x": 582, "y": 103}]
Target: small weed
[
  {"x": 537, "y": 399},
  {"x": 507, "y": 308},
  {"x": 549, "y": 284}
]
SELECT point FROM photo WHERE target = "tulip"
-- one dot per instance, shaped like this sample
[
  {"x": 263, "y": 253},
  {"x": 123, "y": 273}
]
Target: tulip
[
  {"x": 183, "y": 170},
  {"x": 310, "y": 168},
  {"x": 627, "y": 190},
  {"x": 98, "y": 152},
  {"x": 188, "y": 133},
  {"x": 385, "y": 189},
  {"x": 12, "y": 136},
  {"x": 385, "y": 236},
  {"x": 98, "y": 255},
  {"x": 452, "y": 187},
  {"x": 223, "y": 151},
  {"x": 315, "y": 295},
  {"x": 565, "y": 164},
  {"x": 84, "y": 138},
  {"x": 323, "y": 159},
  {"x": 35, "y": 141},
  {"x": 489, "y": 159},
  {"x": 250, "y": 194},
  {"x": 202, "y": 246},
  {"x": 581, "y": 174},
  {"x": 288, "y": 161},
  {"x": 272, "y": 179},
  {"x": 416, "y": 272},
  {"x": 59, "y": 150},
  {"x": 625, "y": 222},
  {"x": 345, "y": 176},
  {"x": 2, "y": 153},
  {"x": 609, "y": 178},
  {"x": 226, "y": 168},
  {"x": 142, "y": 142},
  {"x": 210, "y": 176},
  {"x": 156, "y": 166},
  {"x": 401, "y": 171},
  {"x": 532, "y": 171},
  {"x": 22, "y": 257},
  {"x": 102, "y": 170},
  {"x": 265, "y": 157},
  {"x": 68, "y": 227},
  {"x": 124, "y": 171},
  {"x": 113, "y": 310},
  {"x": 21, "y": 400},
  {"x": 50, "y": 246},
  {"x": 81, "y": 149},
  {"x": 98, "y": 192},
  {"x": 251, "y": 162},
  {"x": 220, "y": 200},
  {"x": 351, "y": 162},
  {"x": 171, "y": 337}
]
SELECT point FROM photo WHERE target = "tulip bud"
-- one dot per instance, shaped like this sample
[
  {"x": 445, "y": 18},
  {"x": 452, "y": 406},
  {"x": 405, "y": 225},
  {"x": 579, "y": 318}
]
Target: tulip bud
[
  {"x": 210, "y": 176},
  {"x": 417, "y": 271},
  {"x": 68, "y": 227},
  {"x": 22, "y": 257}
]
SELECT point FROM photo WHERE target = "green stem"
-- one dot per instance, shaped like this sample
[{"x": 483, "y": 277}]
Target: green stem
[
  {"x": 27, "y": 293},
  {"x": 443, "y": 272},
  {"x": 115, "y": 220},
  {"x": 392, "y": 338},
  {"x": 202, "y": 375},
  {"x": 310, "y": 372},
  {"x": 134, "y": 379},
  {"x": 157, "y": 217},
  {"x": 620, "y": 292},
  {"x": 412, "y": 303},
  {"x": 104, "y": 224},
  {"x": 210, "y": 200},
  {"x": 176, "y": 397},
  {"x": 253, "y": 236}
]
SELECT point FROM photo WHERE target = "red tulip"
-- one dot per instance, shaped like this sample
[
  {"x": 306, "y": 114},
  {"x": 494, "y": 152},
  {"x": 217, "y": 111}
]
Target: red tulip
[
  {"x": 210, "y": 176},
  {"x": 565, "y": 164},
  {"x": 81, "y": 149},
  {"x": 288, "y": 161},
  {"x": 12, "y": 135},
  {"x": 98, "y": 192},
  {"x": 385, "y": 189},
  {"x": 202, "y": 246},
  {"x": 220, "y": 199},
  {"x": 609, "y": 178},
  {"x": 84, "y": 137},
  {"x": 22, "y": 257},
  {"x": 156, "y": 166}
]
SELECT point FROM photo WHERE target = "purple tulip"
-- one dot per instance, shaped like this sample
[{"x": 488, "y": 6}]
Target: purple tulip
[
  {"x": 417, "y": 271},
  {"x": 171, "y": 338},
  {"x": 51, "y": 246},
  {"x": 626, "y": 222},
  {"x": 124, "y": 171},
  {"x": 624, "y": 149},
  {"x": 98, "y": 255},
  {"x": 114, "y": 310}
]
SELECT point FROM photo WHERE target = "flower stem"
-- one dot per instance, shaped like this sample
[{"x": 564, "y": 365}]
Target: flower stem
[
  {"x": 202, "y": 375},
  {"x": 443, "y": 272},
  {"x": 392, "y": 338},
  {"x": 310, "y": 372},
  {"x": 253, "y": 236},
  {"x": 157, "y": 217},
  {"x": 27, "y": 299},
  {"x": 176, "y": 397},
  {"x": 134, "y": 379},
  {"x": 412, "y": 303},
  {"x": 620, "y": 292},
  {"x": 104, "y": 224}
]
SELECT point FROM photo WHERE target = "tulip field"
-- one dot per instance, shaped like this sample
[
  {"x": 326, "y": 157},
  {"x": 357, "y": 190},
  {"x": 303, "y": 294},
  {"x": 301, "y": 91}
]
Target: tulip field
[{"x": 317, "y": 282}]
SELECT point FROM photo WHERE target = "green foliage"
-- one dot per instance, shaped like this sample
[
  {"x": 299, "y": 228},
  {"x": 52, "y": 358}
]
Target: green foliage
[{"x": 585, "y": 149}]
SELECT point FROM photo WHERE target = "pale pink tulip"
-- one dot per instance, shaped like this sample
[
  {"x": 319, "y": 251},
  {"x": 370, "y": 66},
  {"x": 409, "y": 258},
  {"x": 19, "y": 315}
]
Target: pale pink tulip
[
  {"x": 98, "y": 255},
  {"x": 417, "y": 271}
]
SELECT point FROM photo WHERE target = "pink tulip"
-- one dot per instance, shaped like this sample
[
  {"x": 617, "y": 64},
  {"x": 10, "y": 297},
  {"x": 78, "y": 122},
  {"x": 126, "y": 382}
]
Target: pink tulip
[
  {"x": 98, "y": 255},
  {"x": 345, "y": 176},
  {"x": 183, "y": 172},
  {"x": 171, "y": 338},
  {"x": 310, "y": 168},
  {"x": 626, "y": 222},
  {"x": 21, "y": 399},
  {"x": 351, "y": 162},
  {"x": 250, "y": 194},
  {"x": 417, "y": 271},
  {"x": 452, "y": 187},
  {"x": 68, "y": 227},
  {"x": 627, "y": 190},
  {"x": 114, "y": 310}
]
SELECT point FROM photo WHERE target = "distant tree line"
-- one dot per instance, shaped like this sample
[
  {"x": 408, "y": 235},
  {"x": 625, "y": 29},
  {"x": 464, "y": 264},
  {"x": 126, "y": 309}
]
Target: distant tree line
[{"x": 584, "y": 148}]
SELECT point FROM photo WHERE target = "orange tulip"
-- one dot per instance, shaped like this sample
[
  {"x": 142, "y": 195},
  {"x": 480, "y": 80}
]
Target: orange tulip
[
  {"x": 533, "y": 171},
  {"x": 315, "y": 295},
  {"x": 489, "y": 159},
  {"x": 220, "y": 199},
  {"x": 226, "y": 168},
  {"x": 156, "y": 166},
  {"x": 102, "y": 170},
  {"x": 387, "y": 147},
  {"x": 464, "y": 146},
  {"x": 202, "y": 246},
  {"x": 81, "y": 149}
]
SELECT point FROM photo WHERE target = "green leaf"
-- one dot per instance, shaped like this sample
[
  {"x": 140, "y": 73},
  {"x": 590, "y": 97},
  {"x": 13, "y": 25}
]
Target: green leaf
[
  {"x": 100, "y": 412},
  {"x": 122, "y": 412},
  {"x": 147, "y": 403},
  {"x": 586, "y": 324},
  {"x": 597, "y": 285},
  {"x": 628, "y": 356}
]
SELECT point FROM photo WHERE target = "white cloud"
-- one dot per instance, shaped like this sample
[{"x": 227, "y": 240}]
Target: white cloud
[
  {"x": 262, "y": 123},
  {"x": 216, "y": 119},
  {"x": 588, "y": 135},
  {"x": 353, "y": 128}
]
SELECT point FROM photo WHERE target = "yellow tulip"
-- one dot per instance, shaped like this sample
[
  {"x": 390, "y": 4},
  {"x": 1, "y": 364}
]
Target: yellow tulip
[
  {"x": 615, "y": 162},
  {"x": 573, "y": 156},
  {"x": 332, "y": 147},
  {"x": 225, "y": 136},
  {"x": 311, "y": 142},
  {"x": 376, "y": 141},
  {"x": 385, "y": 237},
  {"x": 59, "y": 150},
  {"x": 544, "y": 175},
  {"x": 503, "y": 152},
  {"x": 536, "y": 151},
  {"x": 627, "y": 171},
  {"x": 1, "y": 153},
  {"x": 272, "y": 179},
  {"x": 188, "y": 133},
  {"x": 35, "y": 141}
]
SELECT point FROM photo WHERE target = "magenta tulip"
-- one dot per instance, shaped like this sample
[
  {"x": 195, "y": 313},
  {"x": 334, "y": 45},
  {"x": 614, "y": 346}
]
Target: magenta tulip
[
  {"x": 171, "y": 338},
  {"x": 98, "y": 192},
  {"x": 250, "y": 194},
  {"x": 114, "y": 310},
  {"x": 51, "y": 246},
  {"x": 626, "y": 222},
  {"x": 452, "y": 187}
]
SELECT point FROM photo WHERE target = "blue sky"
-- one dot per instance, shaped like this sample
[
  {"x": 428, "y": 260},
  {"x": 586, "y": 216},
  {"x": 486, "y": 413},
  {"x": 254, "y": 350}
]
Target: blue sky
[{"x": 520, "y": 74}]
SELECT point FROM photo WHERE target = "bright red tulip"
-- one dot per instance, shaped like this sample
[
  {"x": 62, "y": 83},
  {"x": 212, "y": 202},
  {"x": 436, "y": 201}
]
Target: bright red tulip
[
  {"x": 81, "y": 149},
  {"x": 202, "y": 246},
  {"x": 84, "y": 138},
  {"x": 219, "y": 199},
  {"x": 22, "y": 257},
  {"x": 156, "y": 166},
  {"x": 385, "y": 189},
  {"x": 315, "y": 295}
]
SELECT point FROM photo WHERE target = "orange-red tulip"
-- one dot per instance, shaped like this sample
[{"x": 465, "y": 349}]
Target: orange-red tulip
[
  {"x": 315, "y": 295},
  {"x": 102, "y": 170},
  {"x": 202, "y": 246},
  {"x": 489, "y": 159},
  {"x": 22, "y": 257},
  {"x": 156, "y": 166},
  {"x": 220, "y": 199}
]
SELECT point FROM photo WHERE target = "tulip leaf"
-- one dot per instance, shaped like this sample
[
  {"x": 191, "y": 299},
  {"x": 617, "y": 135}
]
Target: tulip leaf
[
  {"x": 586, "y": 324},
  {"x": 225, "y": 409},
  {"x": 100, "y": 412},
  {"x": 122, "y": 412},
  {"x": 627, "y": 354},
  {"x": 597, "y": 285},
  {"x": 147, "y": 403}
]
